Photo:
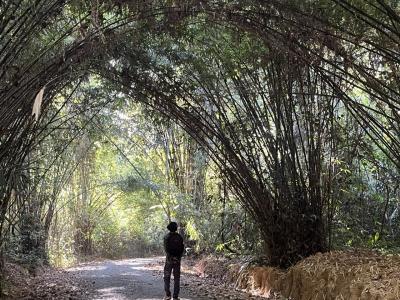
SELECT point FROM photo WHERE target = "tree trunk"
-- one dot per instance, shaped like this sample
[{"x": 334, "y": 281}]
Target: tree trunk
[{"x": 292, "y": 237}]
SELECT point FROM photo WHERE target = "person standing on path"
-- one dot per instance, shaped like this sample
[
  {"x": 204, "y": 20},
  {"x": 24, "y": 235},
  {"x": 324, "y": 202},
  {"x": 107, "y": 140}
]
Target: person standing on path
[{"x": 173, "y": 246}]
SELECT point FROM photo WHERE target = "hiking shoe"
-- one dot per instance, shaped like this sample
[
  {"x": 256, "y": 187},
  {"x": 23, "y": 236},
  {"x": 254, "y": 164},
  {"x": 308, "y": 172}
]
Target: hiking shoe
[{"x": 167, "y": 298}]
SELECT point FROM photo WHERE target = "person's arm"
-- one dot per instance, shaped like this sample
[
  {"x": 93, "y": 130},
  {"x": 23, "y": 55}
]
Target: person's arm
[
  {"x": 165, "y": 243},
  {"x": 183, "y": 246}
]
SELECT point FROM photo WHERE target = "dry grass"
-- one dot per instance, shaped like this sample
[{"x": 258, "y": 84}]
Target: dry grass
[
  {"x": 338, "y": 275},
  {"x": 349, "y": 275}
]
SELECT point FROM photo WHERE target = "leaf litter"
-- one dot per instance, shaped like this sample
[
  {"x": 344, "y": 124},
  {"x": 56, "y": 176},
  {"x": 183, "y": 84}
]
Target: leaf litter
[{"x": 45, "y": 283}]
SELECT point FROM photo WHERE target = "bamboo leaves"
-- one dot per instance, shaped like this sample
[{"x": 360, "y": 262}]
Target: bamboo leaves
[{"x": 37, "y": 104}]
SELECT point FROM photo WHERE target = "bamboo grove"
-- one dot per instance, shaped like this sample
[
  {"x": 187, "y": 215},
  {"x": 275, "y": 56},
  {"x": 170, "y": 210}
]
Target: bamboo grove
[{"x": 262, "y": 86}]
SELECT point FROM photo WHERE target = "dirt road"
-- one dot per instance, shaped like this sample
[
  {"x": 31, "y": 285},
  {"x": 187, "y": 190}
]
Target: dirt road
[{"x": 142, "y": 279}]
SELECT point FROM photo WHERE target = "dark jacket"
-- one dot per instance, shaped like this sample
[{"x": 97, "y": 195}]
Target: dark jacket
[{"x": 166, "y": 237}]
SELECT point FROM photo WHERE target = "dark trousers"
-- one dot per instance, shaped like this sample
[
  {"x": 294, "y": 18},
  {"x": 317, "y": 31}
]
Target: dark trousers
[{"x": 172, "y": 265}]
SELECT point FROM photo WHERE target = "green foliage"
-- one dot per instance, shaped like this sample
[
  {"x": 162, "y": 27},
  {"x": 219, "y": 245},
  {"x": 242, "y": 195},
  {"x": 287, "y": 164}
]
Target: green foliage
[
  {"x": 289, "y": 115},
  {"x": 28, "y": 247}
]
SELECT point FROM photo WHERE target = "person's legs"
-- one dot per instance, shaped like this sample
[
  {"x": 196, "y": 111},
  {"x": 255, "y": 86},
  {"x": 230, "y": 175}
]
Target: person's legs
[
  {"x": 167, "y": 277},
  {"x": 177, "y": 275}
]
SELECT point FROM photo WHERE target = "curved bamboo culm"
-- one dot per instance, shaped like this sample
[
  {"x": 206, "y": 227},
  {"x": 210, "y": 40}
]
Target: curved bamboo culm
[{"x": 267, "y": 127}]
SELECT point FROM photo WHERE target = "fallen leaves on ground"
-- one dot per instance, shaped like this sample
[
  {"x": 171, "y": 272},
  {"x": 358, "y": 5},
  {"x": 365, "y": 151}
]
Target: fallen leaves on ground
[{"x": 46, "y": 283}]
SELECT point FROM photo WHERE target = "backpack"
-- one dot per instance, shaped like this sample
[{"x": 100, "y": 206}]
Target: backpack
[{"x": 174, "y": 245}]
